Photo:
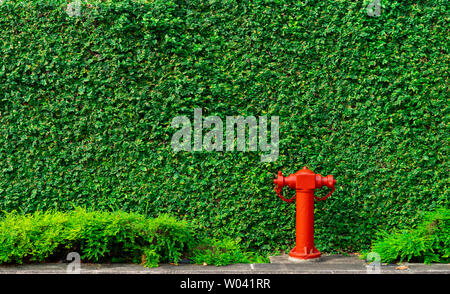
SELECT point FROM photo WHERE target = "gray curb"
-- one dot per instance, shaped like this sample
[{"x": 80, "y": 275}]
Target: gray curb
[{"x": 329, "y": 264}]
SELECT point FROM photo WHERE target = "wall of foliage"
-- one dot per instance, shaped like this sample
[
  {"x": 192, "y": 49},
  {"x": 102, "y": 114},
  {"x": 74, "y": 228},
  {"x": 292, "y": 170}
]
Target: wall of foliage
[{"x": 86, "y": 104}]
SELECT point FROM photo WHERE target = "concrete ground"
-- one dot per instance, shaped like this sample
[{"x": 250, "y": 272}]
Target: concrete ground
[{"x": 329, "y": 264}]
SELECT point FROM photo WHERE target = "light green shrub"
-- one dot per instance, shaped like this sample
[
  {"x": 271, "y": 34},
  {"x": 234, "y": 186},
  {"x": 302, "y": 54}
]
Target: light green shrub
[
  {"x": 97, "y": 235},
  {"x": 428, "y": 241}
]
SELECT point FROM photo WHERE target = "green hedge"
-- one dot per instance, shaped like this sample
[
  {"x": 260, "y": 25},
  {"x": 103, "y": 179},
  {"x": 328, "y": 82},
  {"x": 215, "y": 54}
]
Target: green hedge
[
  {"x": 86, "y": 104},
  {"x": 97, "y": 236},
  {"x": 101, "y": 236}
]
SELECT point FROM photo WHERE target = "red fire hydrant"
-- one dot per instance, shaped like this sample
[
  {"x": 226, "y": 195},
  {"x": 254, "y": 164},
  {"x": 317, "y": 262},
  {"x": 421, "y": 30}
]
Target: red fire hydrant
[{"x": 304, "y": 182}]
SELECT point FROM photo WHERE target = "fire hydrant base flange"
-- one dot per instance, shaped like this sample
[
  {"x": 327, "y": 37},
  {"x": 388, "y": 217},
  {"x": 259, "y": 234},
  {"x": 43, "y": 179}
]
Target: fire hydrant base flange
[{"x": 294, "y": 255}]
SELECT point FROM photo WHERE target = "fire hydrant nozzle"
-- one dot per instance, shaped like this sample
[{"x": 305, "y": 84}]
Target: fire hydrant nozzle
[{"x": 304, "y": 182}]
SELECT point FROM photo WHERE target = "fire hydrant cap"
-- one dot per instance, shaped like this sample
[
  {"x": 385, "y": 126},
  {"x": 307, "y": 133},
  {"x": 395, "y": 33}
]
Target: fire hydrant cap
[{"x": 304, "y": 171}]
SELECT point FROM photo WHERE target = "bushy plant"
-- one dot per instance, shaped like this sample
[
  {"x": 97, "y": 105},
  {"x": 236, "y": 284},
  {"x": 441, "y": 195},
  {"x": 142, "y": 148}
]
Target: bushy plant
[
  {"x": 224, "y": 251},
  {"x": 102, "y": 236},
  {"x": 428, "y": 241},
  {"x": 98, "y": 236}
]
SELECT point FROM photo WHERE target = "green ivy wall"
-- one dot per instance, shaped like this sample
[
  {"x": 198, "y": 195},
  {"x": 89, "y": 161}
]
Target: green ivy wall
[{"x": 86, "y": 104}]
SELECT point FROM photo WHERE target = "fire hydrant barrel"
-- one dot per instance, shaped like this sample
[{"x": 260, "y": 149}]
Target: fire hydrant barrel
[{"x": 304, "y": 247}]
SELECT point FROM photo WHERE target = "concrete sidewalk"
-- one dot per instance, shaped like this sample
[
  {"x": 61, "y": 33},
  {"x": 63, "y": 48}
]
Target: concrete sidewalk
[{"x": 329, "y": 264}]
